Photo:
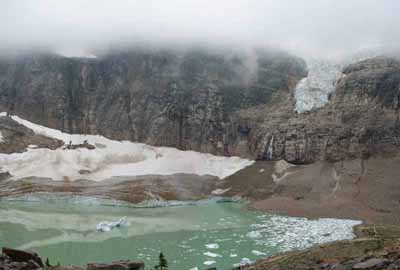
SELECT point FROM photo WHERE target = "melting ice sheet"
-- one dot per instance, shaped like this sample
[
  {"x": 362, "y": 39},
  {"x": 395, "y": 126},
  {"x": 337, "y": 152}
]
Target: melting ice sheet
[
  {"x": 217, "y": 234},
  {"x": 111, "y": 158}
]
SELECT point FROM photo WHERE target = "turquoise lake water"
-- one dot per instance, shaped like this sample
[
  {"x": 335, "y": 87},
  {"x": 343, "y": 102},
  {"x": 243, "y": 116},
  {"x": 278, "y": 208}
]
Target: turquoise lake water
[{"x": 204, "y": 235}]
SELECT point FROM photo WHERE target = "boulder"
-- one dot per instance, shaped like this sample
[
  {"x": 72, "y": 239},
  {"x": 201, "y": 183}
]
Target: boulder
[
  {"x": 373, "y": 263},
  {"x": 117, "y": 265},
  {"x": 22, "y": 256}
]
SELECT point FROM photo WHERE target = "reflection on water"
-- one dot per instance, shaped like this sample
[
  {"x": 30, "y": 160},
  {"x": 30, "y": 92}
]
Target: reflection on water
[{"x": 215, "y": 234}]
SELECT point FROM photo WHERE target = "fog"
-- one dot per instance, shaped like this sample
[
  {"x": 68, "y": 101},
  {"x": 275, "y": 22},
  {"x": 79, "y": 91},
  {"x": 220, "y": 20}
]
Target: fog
[{"x": 308, "y": 27}]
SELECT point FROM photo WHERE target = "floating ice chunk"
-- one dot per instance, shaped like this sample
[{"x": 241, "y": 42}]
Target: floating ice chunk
[
  {"x": 212, "y": 246},
  {"x": 209, "y": 262},
  {"x": 244, "y": 261},
  {"x": 213, "y": 255},
  {"x": 194, "y": 268},
  {"x": 233, "y": 255},
  {"x": 258, "y": 253},
  {"x": 106, "y": 226}
]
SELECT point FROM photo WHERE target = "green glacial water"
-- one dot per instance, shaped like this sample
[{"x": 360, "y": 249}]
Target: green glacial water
[{"x": 204, "y": 235}]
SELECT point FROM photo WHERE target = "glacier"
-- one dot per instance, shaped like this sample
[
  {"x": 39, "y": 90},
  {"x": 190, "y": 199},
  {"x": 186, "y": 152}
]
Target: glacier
[{"x": 312, "y": 92}]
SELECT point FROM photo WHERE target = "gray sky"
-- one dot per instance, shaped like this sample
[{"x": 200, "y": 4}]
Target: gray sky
[{"x": 305, "y": 26}]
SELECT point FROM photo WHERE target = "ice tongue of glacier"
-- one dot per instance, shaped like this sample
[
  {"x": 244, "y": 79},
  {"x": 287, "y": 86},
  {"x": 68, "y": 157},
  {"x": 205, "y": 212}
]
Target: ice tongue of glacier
[{"x": 313, "y": 91}]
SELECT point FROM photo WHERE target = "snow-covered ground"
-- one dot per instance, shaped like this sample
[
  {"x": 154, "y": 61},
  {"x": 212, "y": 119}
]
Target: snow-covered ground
[{"x": 111, "y": 158}]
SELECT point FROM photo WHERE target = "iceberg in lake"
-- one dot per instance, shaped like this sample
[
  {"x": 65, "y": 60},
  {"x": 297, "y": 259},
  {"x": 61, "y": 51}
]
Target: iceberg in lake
[{"x": 106, "y": 226}]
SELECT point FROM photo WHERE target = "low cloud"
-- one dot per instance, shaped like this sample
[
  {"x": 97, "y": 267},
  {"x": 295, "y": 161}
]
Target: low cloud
[{"x": 320, "y": 27}]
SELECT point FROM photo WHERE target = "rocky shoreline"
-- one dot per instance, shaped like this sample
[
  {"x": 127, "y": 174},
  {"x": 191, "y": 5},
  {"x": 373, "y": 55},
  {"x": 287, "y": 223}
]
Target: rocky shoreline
[
  {"x": 375, "y": 248},
  {"x": 14, "y": 259}
]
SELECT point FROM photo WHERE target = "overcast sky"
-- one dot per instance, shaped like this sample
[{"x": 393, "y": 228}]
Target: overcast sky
[{"x": 306, "y": 26}]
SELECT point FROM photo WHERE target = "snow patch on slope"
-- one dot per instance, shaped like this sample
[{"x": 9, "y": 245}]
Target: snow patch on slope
[{"x": 111, "y": 158}]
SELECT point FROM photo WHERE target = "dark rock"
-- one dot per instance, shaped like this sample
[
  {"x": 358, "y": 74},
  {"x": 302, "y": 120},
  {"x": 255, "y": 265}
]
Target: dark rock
[
  {"x": 118, "y": 265},
  {"x": 22, "y": 256},
  {"x": 18, "y": 137},
  {"x": 370, "y": 264},
  {"x": 32, "y": 265},
  {"x": 187, "y": 99},
  {"x": 340, "y": 266}
]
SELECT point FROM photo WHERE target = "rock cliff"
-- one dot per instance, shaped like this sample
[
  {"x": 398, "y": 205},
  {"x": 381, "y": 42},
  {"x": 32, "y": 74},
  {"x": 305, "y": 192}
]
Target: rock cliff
[
  {"x": 230, "y": 104},
  {"x": 185, "y": 99}
]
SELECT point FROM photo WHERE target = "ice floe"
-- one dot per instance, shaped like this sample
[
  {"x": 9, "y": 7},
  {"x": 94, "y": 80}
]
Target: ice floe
[
  {"x": 210, "y": 254},
  {"x": 212, "y": 246},
  {"x": 106, "y": 226},
  {"x": 258, "y": 253}
]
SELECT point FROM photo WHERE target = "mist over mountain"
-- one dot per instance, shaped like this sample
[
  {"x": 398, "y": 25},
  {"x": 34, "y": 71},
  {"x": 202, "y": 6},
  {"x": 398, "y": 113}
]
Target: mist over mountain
[{"x": 79, "y": 28}]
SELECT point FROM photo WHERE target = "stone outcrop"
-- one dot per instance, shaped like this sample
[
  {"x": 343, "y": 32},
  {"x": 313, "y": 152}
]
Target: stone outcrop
[
  {"x": 117, "y": 265},
  {"x": 360, "y": 120},
  {"x": 16, "y": 137},
  {"x": 13, "y": 259}
]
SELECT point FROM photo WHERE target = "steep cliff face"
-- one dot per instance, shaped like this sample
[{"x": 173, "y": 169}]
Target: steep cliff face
[
  {"x": 229, "y": 104},
  {"x": 188, "y": 100},
  {"x": 360, "y": 120}
]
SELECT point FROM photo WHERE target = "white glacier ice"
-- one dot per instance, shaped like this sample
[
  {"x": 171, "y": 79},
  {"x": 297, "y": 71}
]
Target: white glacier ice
[
  {"x": 313, "y": 91},
  {"x": 111, "y": 159}
]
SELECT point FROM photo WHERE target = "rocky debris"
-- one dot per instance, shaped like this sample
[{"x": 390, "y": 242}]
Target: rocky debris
[
  {"x": 17, "y": 138},
  {"x": 117, "y": 265},
  {"x": 358, "y": 189},
  {"x": 373, "y": 263},
  {"x": 4, "y": 175},
  {"x": 373, "y": 251},
  {"x": 85, "y": 144},
  {"x": 129, "y": 189}
]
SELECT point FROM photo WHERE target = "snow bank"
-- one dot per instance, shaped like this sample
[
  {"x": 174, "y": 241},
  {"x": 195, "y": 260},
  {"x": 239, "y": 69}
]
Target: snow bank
[{"x": 111, "y": 158}]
